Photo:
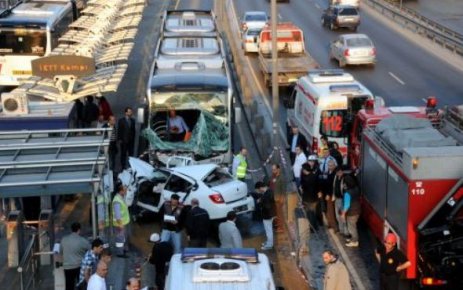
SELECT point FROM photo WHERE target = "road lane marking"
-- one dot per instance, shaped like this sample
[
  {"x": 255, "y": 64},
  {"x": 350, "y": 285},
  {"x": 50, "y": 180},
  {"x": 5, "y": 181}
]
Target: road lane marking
[
  {"x": 318, "y": 6},
  {"x": 279, "y": 16},
  {"x": 397, "y": 78},
  {"x": 176, "y": 4}
]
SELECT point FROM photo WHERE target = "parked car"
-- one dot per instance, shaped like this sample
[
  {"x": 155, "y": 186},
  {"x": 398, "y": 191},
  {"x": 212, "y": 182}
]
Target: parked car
[
  {"x": 251, "y": 40},
  {"x": 349, "y": 49},
  {"x": 253, "y": 20},
  {"x": 338, "y": 16},
  {"x": 217, "y": 191}
]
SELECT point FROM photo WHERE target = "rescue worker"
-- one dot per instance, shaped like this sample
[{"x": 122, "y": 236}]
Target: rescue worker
[
  {"x": 336, "y": 275},
  {"x": 391, "y": 263},
  {"x": 240, "y": 164},
  {"x": 121, "y": 220}
]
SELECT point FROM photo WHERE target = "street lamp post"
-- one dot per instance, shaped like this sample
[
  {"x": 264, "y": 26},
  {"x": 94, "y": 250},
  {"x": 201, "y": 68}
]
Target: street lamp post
[{"x": 275, "y": 96}]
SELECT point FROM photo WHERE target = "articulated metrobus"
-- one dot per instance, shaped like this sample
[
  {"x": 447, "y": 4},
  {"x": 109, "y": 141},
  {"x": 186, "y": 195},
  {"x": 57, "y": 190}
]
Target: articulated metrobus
[
  {"x": 190, "y": 75},
  {"x": 28, "y": 31}
]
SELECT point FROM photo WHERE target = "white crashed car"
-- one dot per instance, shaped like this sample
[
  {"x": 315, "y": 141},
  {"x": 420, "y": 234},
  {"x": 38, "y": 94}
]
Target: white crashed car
[
  {"x": 251, "y": 40},
  {"x": 217, "y": 191}
]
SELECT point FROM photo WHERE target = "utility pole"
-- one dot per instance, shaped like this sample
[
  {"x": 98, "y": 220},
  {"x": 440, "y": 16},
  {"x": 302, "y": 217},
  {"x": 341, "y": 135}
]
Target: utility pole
[{"x": 275, "y": 96}]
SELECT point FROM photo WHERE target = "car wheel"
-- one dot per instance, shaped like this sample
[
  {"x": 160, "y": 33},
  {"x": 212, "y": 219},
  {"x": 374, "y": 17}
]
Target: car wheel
[
  {"x": 355, "y": 28},
  {"x": 323, "y": 22}
]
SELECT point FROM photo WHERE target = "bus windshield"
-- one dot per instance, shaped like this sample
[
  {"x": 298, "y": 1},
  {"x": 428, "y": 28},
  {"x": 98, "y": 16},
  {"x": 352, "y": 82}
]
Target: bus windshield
[
  {"x": 23, "y": 41},
  {"x": 332, "y": 123},
  {"x": 212, "y": 102}
]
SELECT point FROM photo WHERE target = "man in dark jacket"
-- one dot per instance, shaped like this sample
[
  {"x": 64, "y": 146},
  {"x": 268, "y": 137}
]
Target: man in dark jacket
[
  {"x": 160, "y": 255},
  {"x": 311, "y": 189},
  {"x": 267, "y": 202},
  {"x": 90, "y": 113},
  {"x": 296, "y": 139},
  {"x": 173, "y": 222},
  {"x": 126, "y": 135},
  {"x": 197, "y": 225}
]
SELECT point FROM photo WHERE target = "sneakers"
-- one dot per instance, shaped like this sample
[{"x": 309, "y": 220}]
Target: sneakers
[{"x": 352, "y": 244}]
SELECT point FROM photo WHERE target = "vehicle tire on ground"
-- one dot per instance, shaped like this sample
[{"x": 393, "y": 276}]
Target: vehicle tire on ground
[
  {"x": 342, "y": 63},
  {"x": 355, "y": 28},
  {"x": 323, "y": 22},
  {"x": 332, "y": 26}
]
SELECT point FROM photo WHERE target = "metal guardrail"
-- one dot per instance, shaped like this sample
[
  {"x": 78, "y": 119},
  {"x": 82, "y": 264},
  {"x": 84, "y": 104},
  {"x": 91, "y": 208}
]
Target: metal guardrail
[
  {"x": 419, "y": 24},
  {"x": 28, "y": 268}
]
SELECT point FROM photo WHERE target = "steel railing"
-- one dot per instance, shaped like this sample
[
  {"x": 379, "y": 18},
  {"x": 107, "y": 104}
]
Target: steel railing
[
  {"x": 412, "y": 20},
  {"x": 28, "y": 268}
]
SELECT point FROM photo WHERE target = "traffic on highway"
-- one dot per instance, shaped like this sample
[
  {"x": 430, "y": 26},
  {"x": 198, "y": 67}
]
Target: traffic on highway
[{"x": 141, "y": 147}]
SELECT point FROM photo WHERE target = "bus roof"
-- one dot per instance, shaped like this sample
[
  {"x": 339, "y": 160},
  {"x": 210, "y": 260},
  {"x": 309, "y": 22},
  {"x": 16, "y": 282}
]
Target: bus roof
[
  {"x": 35, "y": 13},
  {"x": 189, "y": 22},
  {"x": 204, "y": 81}
]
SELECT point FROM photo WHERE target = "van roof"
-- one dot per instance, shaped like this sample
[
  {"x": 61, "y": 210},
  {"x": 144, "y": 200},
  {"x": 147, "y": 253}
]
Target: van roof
[{"x": 282, "y": 26}]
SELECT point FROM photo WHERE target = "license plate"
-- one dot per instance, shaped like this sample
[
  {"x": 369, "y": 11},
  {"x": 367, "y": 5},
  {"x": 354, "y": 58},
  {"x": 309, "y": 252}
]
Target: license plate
[
  {"x": 349, "y": 19},
  {"x": 240, "y": 208}
]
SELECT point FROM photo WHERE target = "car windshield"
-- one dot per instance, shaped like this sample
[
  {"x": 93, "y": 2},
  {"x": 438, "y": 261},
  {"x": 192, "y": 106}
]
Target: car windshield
[
  {"x": 332, "y": 123},
  {"x": 253, "y": 32},
  {"x": 23, "y": 41},
  {"x": 348, "y": 11},
  {"x": 255, "y": 17},
  {"x": 358, "y": 42},
  {"x": 217, "y": 177}
]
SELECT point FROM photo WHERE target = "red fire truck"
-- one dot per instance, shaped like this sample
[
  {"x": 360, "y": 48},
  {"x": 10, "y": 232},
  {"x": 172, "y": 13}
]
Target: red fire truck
[{"x": 411, "y": 167}]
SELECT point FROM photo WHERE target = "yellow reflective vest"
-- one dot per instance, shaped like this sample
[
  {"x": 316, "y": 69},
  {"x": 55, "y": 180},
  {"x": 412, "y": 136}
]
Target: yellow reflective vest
[
  {"x": 241, "y": 169},
  {"x": 125, "y": 216}
]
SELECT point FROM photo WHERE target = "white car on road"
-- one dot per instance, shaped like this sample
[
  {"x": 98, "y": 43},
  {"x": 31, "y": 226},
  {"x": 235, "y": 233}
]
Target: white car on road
[
  {"x": 253, "y": 20},
  {"x": 251, "y": 40},
  {"x": 217, "y": 191}
]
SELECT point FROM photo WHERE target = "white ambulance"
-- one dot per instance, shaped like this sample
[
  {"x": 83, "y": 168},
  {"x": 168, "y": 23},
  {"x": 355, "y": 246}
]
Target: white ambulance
[
  {"x": 220, "y": 268},
  {"x": 325, "y": 103}
]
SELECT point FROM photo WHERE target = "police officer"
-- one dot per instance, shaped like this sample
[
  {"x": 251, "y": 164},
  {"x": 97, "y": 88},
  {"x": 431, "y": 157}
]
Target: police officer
[
  {"x": 121, "y": 220},
  {"x": 391, "y": 263},
  {"x": 240, "y": 164}
]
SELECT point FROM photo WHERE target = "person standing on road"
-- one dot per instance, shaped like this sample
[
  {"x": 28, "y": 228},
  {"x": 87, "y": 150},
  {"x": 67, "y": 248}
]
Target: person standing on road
[
  {"x": 336, "y": 274},
  {"x": 296, "y": 139},
  {"x": 121, "y": 220},
  {"x": 98, "y": 280},
  {"x": 229, "y": 234},
  {"x": 338, "y": 193},
  {"x": 197, "y": 225},
  {"x": 267, "y": 203},
  {"x": 310, "y": 187},
  {"x": 300, "y": 159},
  {"x": 391, "y": 263},
  {"x": 161, "y": 254},
  {"x": 104, "y": 108},
  {"x": 90, "y": 113},
  {"x": 351, "y": 210},
  {"x": 126, "y": 135},
  {"x": 89, "y": 262},
  {"x": 277, "y": 186},
  {"x": 73, "y": 248},
  {"x": 327, "y": 189},
  {"x": 240, "y": 165},
  {"x": 172, "y": 225}
]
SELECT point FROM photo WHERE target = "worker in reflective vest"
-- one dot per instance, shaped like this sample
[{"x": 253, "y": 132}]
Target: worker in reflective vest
[
  {"x": 121, "y": 220},
  {"x": 240, "y": 164}
]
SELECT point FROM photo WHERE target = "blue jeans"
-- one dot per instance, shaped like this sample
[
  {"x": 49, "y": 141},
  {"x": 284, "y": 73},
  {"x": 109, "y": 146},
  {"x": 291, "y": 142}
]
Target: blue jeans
[
  {"x": 175, "y": 238},
  {"x": 341, "y": 221}
]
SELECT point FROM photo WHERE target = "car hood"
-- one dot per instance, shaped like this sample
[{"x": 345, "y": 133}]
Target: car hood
[
  {"x": 231, "y": 191},
  {"x": 143, "y": 169},
  {"x": 257, "y": 25}
]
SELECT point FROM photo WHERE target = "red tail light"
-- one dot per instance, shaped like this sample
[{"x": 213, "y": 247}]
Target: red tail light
[
  {"x": 216, "y": 198},
  {"x": 373, "y": 51},
  {"x": 429, "y": 281},
  {"x": 249, "y": 40},
  {"x": 346, "y": 52},
  {"x": 315, "y": 145}
]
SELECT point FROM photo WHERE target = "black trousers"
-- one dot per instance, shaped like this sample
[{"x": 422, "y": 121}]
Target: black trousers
[
  {"x": 71, "y": 276},
  {"x": 389, "y": 282},
  {"x": 126, "y": 149}
]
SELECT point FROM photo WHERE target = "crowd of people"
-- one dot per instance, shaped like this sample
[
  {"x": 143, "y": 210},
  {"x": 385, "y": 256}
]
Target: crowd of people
[{"x": 330, "y": 189}]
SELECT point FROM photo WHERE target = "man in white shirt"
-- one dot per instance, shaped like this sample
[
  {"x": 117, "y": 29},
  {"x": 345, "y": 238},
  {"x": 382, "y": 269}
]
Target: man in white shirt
[
  {"x": 177, "y": 127},
  {"x": 97, "y": 280},
  {"x": 297, "y": 166},
  {"x": 229, "y": 234}
]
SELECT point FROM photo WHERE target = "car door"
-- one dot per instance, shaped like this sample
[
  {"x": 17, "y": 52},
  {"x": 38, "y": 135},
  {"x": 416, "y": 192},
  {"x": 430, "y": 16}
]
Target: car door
[
  {"x": 337, "y": 47},
  {"x": 179, "y": 184}
]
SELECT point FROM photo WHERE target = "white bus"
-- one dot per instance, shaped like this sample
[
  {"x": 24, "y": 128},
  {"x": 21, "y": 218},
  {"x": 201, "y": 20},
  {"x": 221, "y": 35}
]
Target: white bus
[
  {"x": 190, "y": 74},
  {"x": 28, "y": 31}
]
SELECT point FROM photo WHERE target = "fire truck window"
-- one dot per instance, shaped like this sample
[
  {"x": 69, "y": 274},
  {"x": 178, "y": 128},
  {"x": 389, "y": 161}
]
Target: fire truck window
[
  {"x": 359, "y": 131},
  {"x": 332, "y": 122}
]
